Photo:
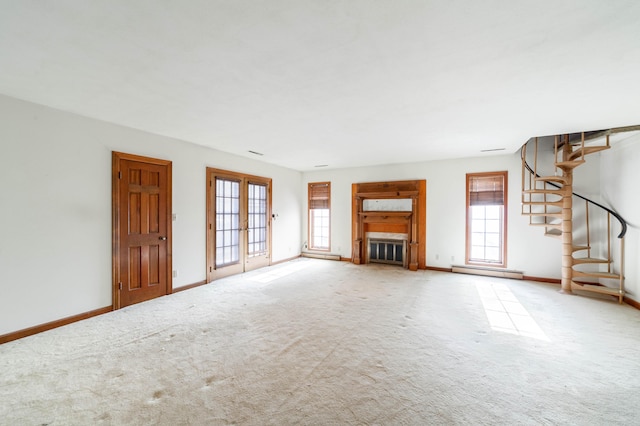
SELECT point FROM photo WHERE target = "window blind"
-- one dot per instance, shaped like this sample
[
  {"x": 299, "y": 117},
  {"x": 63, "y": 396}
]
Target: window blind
[
  {"x": 319, "y": 195},
  {"x": 486, "y": 190}
]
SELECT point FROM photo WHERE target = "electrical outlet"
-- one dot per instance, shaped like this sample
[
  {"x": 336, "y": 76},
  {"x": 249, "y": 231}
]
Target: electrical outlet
[
  {"x": 175, "y": 273},
  {"x": 437, "y": 256}
]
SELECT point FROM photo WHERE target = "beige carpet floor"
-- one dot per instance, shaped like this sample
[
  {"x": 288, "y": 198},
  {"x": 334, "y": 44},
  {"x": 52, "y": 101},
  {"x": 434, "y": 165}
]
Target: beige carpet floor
[{"x": 316, "y": 342}]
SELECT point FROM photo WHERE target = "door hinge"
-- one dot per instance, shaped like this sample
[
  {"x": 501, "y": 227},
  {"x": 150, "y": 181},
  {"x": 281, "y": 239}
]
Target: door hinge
[
  {"x": 210, "y": 268},
  {"x": 119, "y": 175},
  {"x": 119, "y": 286}
]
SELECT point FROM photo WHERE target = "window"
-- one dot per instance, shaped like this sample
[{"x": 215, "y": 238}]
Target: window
[
  {"x": 487, "y": 218},
  {"x": 319, "y": 215}
]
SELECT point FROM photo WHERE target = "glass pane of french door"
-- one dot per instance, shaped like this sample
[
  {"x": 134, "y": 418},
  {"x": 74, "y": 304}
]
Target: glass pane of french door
[
  {"x": 257, "y": 219},
  {"x": 227, "y": 222}
]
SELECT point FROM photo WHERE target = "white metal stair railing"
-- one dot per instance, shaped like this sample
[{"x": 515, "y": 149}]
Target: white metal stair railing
[{"x": 548, "y": 201}]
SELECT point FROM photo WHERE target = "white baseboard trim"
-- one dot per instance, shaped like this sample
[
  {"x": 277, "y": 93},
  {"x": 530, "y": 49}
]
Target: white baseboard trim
[
  {"x": 491, "y": 272},
  {"x": 327, "y": 256}
]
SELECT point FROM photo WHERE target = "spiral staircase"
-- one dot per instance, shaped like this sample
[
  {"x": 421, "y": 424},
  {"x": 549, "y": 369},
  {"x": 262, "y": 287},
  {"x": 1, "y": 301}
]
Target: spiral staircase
[{"x": 591, "y": 234}]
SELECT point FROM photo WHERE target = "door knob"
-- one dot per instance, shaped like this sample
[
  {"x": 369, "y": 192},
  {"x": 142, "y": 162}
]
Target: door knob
[{"x": 163, "y": 238}]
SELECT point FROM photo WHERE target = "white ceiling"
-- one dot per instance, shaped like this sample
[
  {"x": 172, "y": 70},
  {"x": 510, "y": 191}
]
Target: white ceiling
[{"x": 342, "y": 83}]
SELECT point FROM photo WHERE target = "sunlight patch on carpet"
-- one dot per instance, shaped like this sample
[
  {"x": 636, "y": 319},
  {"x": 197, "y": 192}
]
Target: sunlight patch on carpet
[
  {"x": 505, "y": 313},
  {"x": 283, "y": 271}
]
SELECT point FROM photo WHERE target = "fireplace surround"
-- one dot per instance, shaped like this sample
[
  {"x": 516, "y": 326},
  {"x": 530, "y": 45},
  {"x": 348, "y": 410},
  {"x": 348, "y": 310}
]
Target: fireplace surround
[{"x": 410, "y": 225}]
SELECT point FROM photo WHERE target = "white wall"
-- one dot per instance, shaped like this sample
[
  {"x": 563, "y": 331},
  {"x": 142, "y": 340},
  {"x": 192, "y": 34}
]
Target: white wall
[
  {"x": 620, "y": 174},
  {"x": 55, "y": 212},
  {"x": 528, "y": 250}
]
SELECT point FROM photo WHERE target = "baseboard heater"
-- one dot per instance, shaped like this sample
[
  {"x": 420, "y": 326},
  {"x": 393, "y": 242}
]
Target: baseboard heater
[
  {"x": 326, "y": 256},
  {"x": 491, "y": 272}
]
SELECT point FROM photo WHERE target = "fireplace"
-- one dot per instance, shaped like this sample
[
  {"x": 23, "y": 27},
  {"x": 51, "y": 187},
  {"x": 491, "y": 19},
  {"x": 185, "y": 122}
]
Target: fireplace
[
  {"x": 386, "y": 248},
  {"x": 387, "y": 251}
]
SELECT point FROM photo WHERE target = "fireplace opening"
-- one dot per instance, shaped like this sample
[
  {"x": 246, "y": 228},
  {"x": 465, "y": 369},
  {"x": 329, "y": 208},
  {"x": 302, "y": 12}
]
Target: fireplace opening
[{"x": 387, "y": 251}]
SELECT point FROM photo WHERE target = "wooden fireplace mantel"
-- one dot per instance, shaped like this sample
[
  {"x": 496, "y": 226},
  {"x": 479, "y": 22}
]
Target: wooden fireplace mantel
[
  {"x": 411, "y": 223},
  {"x": 387, "y": 195},
  {"x": 385, "y": 216}
]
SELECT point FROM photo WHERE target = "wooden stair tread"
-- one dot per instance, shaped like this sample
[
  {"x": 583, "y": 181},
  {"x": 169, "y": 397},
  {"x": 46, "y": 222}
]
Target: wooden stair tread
[
  {"x": 558, "y": 191},
  {"x": 587, "y": 150},
  {"x": 589, "y": 260},
  {"x": 543, "y": 203},
  {"x": 597, "y": 289},
  {"x": 548, "y": 225},
  {"x": 596, "y": 274},
  {"x": 560, "y": 179},
  {"x": 569, "y": 165},
  {"x": 543, "y": 214},
  {"x": 553, "y": 233}
]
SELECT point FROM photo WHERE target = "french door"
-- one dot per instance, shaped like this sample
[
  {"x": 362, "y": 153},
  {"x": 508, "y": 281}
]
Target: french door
[{"x": 238, "y": 223}]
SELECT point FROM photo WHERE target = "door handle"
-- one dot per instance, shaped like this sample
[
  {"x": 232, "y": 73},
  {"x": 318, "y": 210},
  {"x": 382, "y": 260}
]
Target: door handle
[{"x": 163, "y": 238}]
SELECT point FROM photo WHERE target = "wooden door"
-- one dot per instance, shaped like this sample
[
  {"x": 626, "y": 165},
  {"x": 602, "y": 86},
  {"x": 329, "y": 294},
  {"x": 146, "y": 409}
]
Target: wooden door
[
  {"x": 238, "y": 223},
  {"x": 142, "y": 229}
]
